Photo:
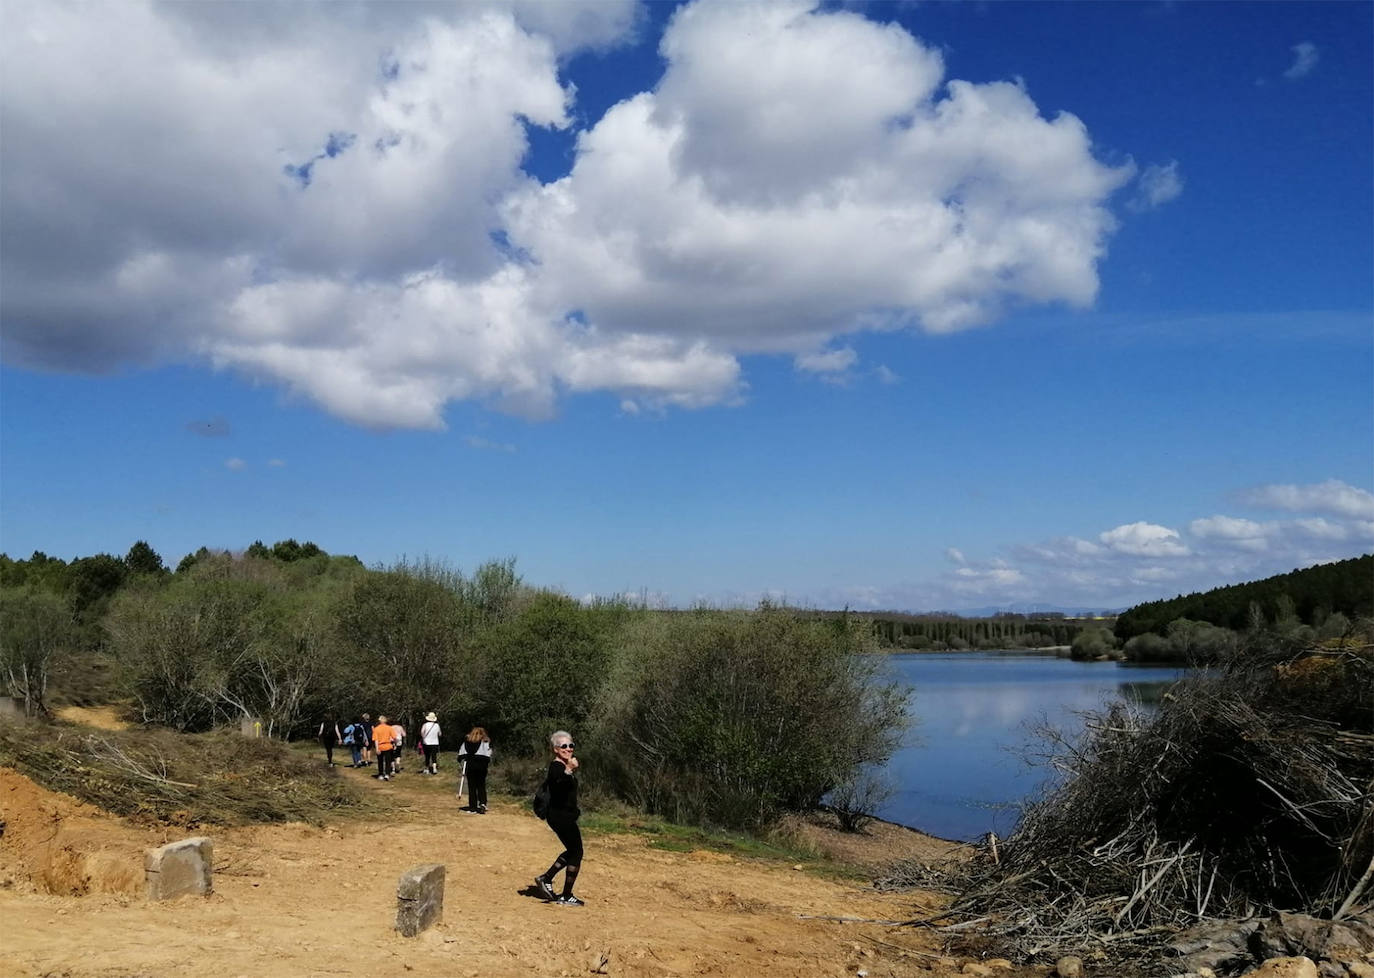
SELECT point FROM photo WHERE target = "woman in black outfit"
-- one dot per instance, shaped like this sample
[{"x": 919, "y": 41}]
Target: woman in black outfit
[
  {"x": 475, "y": 755},
  {"x": 562, "y": 818}
]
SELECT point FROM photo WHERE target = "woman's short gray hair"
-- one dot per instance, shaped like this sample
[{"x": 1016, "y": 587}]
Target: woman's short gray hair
[{"x": 553, "y": 737}]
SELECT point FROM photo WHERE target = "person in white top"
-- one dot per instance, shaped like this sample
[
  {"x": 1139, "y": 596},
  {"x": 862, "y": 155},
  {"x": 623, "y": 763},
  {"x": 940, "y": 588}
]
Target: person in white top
[
  {"x": 429, "y": 739},
  {"x": 399, "y": 732}
]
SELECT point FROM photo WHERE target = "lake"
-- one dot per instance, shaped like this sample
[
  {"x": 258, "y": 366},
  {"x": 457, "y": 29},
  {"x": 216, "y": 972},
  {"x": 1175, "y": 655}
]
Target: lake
[{"x": 961, "y": 770}]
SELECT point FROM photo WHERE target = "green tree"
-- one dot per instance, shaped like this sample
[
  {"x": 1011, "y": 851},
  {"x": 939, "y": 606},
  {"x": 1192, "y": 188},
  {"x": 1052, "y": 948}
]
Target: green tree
[
  {"x": 143, "y": 559},
  {"x": 34, "y": 627}
]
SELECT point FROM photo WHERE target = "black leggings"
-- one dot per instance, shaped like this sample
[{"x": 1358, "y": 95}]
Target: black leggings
[
  {"x": 565, "y": 827},
  {"x": 384, "y": 758},
  {"x": 477, "y": 789},
  {"x": 431, "y": 756},
  {"x": 329, "y": 751}
]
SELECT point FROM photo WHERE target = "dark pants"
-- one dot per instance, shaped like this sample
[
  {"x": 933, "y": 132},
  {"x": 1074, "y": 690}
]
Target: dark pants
[
  {"x": 384, "y": 759},
  {"x": 477, "y": 788},
  {"x": 432, "y": 757},
  {"x": 564, "y": 826},
  {"x": 329, "y": 751}
]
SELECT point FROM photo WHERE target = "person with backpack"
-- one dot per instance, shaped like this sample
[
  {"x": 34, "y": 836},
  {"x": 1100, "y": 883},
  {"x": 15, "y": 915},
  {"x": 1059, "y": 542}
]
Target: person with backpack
[
  {"x": 367, "y": 738},
  {"x": 556, "y": 803},
  {"x": 475, "y": 755},
  {"x": 329, "y": 737},
  {"x": 430, "y": 732},
  {"x": 353, "y": 738}
]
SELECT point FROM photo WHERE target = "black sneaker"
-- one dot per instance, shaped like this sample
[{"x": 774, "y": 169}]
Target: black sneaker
[
  {"x": 545, "y": 889},
  {"x": 568, "y": 900}
]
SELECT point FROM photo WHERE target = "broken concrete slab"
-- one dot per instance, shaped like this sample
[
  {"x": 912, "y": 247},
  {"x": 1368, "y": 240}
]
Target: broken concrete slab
[
  {"x": 420, "y": 898},
  {"x": 180, "y": 869}
]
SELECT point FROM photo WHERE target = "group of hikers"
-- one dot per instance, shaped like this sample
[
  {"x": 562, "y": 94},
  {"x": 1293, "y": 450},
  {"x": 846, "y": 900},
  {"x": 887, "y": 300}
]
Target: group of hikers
[
  {"x": 384, "y": 742},
  {"x": 555, "y": 802}
]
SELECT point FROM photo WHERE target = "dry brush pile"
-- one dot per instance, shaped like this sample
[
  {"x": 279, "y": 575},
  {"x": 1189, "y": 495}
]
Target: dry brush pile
[
  {"x": 181, "y": 779},
  {"x": 1249, "y": 790}
]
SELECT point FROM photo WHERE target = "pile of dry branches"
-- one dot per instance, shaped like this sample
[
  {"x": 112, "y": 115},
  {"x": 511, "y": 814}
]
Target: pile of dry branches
[
  {"x": 183, "y": 779},
  {"x": 1248, "y": 790}
]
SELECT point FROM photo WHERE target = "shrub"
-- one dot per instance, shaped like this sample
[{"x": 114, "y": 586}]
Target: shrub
[
  {"x": 1247, "y": 791},
  {"x": 540, "y": 669},
  {"x": 732, "y": 719},
  {"x": 1092, "y": 643}
]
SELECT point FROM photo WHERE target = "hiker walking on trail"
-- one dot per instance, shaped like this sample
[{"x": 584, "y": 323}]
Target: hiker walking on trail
[
  {"x": 385, "y": 743},
  {"x": 398, "y": 735},
  {"x": 475, "y": 755},
  {"x": 329, "y": 737},
  {"x": 367, "y": 738},
  {"x": 559, "y": 800},
  {"x": 353, "y": 739},
  {"x": 430, "y": 732}
]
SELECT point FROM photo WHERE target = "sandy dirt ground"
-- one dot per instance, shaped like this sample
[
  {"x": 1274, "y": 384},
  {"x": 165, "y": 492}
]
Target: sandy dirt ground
[{"x": 298, "y": 900}]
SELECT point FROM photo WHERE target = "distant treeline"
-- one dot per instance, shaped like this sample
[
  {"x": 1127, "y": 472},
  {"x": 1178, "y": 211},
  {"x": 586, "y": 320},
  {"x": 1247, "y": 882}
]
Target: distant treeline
[
  {"x": 1311, "y": 594},
  {"x": 1005, "y": 631},
  {"x": 698, "y": 715}
]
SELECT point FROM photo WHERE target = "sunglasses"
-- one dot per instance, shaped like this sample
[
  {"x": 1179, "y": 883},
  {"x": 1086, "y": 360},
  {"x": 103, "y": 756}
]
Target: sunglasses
[{"x": 565, "y": 747}]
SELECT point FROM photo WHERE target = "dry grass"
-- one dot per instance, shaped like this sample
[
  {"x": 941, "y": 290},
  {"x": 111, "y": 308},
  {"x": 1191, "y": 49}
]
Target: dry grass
[{"x": 182, "y": 779}]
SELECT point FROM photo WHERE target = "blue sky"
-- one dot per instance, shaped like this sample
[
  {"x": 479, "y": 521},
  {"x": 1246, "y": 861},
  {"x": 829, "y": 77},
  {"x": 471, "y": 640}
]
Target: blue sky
[{"x": 917, "y": 306}]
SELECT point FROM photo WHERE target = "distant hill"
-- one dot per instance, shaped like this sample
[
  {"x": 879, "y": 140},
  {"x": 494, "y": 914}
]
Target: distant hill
[{"x": 1346, "y": 586}]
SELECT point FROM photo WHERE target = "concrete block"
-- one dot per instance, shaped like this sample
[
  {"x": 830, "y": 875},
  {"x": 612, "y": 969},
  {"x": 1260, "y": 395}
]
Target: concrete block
[
  {"x": 180, "y": 868},
  {"x": 420, "y": 899}
]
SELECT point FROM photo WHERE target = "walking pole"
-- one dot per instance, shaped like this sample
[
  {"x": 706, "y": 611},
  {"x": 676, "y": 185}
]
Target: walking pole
[{"x": 461, "y": 778}]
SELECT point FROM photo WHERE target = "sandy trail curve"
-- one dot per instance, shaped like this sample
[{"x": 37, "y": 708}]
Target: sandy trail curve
[{"x": 296, "y": 900}]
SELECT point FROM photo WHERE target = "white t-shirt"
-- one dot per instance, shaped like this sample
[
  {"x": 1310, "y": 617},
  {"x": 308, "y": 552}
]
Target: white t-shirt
[
  {"x": 399, "y": 732},
  {"x": 429, "y": 733}
]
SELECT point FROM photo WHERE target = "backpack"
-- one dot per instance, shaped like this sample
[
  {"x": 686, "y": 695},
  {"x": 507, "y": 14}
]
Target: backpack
[
  {"x": 348, "y": 733},
  {"x": 542, "y": 796}
]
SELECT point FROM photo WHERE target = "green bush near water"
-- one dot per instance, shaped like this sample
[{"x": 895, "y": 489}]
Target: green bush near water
[{"x": 735, "y": 718}]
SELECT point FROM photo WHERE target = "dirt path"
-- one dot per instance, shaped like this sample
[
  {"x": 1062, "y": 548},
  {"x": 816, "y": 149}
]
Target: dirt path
[{"x": 296, "y": 900}]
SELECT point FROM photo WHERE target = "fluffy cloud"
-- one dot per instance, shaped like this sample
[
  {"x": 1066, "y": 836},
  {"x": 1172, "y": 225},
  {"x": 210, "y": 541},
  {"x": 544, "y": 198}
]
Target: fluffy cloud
[
  {"x": 1332, "y": 497},
  {"x": 1305, "y": 58},
  {"x": 333, "y": 199},
  {"x": 1143, "y": 540},
  {"x": 1243, "y": 533}
]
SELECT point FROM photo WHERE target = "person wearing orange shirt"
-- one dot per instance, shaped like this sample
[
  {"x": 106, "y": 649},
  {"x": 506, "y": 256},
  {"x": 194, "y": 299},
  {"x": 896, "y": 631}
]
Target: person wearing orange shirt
[{"x": 386, "y": 747}]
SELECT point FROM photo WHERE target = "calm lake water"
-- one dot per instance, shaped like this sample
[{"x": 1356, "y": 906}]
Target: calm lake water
[{"x": 962, "y": 771}]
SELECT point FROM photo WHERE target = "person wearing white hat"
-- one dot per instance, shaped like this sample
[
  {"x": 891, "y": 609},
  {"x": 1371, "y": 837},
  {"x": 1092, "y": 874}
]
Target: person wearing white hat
[{"x": 429, "y": 739}]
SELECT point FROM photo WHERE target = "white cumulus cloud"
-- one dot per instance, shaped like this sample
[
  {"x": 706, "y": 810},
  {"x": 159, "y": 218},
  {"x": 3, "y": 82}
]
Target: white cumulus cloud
[
  {"x": 1144, "y": 540},
  {"x": 1234, "y": 531},
  {"x": 331, "y": 198}
]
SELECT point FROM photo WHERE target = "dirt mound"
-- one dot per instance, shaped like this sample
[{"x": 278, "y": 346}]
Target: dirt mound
[{"x": 53, "y": 843}]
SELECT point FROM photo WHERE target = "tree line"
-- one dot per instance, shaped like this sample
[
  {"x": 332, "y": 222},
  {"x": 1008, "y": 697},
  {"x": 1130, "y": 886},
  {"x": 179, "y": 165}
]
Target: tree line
[
  {"x": 698, "y": 715},
  {"x": 1004, "y": 631},
  {"x": 1311, "y": 594}
]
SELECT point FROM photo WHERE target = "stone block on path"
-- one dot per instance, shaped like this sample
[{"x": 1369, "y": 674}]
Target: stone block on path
[
  {"x": 419, "y": 899},
  {"x": 180, "y": 869}
]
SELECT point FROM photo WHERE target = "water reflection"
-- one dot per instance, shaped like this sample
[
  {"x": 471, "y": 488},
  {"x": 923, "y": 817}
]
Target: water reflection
[{"x": 962, "y": 769}]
